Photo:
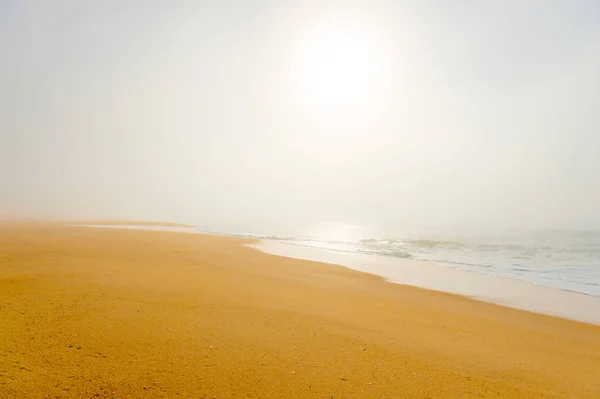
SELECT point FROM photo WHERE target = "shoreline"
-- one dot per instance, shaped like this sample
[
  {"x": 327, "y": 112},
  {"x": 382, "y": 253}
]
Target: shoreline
[
  {"x": 512, "y": 293},
  {"x": 143, "y": 314}
]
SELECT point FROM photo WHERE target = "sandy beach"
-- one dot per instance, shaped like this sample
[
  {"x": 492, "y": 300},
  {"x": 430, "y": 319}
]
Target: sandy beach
[{"x": 108, "y": 313}]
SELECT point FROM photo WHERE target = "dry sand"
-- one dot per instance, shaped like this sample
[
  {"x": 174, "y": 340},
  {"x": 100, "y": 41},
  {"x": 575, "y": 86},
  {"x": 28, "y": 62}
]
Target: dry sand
[{"x": 103, "y": 313}]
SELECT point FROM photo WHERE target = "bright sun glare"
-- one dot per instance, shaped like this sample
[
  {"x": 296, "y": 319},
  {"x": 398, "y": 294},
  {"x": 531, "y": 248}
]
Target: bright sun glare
[{"x": 337, "y": 69}]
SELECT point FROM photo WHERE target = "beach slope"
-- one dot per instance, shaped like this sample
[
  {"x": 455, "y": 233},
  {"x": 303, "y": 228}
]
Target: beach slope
[{"x": 108, "y": 313}]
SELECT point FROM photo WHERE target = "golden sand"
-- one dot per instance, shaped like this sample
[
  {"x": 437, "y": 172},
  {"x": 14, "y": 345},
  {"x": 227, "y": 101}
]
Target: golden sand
[{"x": 106, "y": 313}]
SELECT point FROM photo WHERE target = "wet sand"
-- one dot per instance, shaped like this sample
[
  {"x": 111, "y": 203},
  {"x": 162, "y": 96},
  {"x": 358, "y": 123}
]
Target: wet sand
[{"x": 136, "y": 314}]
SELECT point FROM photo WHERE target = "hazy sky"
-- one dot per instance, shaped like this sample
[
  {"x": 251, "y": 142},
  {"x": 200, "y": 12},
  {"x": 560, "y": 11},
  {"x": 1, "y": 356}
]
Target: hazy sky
[{"x": 274, "y": 114}]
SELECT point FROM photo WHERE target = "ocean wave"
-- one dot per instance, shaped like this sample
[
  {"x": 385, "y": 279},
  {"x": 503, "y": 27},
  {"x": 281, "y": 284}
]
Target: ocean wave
[
  {"x": 344, "y": 247},
  {"x": 425, "y": 243}
]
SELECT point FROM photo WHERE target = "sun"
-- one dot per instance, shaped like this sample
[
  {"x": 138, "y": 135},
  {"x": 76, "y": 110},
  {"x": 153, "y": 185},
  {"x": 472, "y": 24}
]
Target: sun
[{"x": 337, "y": 68}]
